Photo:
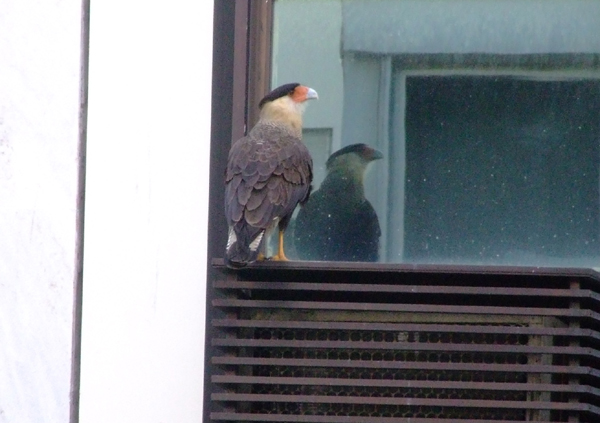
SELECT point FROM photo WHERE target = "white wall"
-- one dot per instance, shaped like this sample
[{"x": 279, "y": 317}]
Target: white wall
[
  {"x": 39, "y": 108},
  {"x": 146, "y": 211}
]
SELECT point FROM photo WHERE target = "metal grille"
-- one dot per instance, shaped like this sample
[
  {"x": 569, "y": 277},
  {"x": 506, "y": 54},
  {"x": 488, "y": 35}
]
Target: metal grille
[
  {"x": 401, "y": 348},
  {"x": 384, "y": 373}
]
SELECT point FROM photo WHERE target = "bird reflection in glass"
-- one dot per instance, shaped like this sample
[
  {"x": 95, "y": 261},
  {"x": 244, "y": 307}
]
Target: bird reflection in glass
[{"x": 338, "y": 223}]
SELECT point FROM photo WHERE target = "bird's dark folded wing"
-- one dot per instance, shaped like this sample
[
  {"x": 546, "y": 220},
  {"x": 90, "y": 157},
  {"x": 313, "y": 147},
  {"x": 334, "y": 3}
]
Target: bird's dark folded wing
[
  {"x": 370, "y": 232},
  {"x": 268, "y": 173},
  {"x": 262, "y": 215},
  {"x": 334, "y": 227},
  {"x": 312, "y": 234},
  {"x": 257, "y": 198}
]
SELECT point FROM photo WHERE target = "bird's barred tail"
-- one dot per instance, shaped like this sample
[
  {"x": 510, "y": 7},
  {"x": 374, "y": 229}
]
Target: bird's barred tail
[
  {"x": 237, "y": 256},
  {"x": 242, "y": 247}
]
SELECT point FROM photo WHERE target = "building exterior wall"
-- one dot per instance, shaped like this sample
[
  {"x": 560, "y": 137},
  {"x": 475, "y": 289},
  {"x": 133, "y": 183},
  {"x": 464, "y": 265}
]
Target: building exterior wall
[
  {"x": 146, "y": 210},
  {"x": 39, "y": 138}
]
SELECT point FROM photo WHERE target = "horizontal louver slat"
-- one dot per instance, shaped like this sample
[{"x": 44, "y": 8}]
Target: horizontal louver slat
[
  {"x": 466, "y": 403},
  {"x": 409, "y": 289},
  {"x": 250, "y": 361},
  {"x": 491, "y": 386},
  {"x": 403, "y": 346},
  {"x": 407, "y": 308},
  {"x": 345, "y": 419},
  {"x": 408, "y": 327}
]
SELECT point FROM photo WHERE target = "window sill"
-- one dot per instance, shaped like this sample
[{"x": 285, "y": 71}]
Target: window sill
[{"x": 219, "y": 263}]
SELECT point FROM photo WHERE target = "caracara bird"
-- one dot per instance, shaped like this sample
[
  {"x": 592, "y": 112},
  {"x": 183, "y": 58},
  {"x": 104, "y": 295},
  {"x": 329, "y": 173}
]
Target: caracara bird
[
  {"x": 338, "y": 223},
  {"x": 268, "y": 173}
]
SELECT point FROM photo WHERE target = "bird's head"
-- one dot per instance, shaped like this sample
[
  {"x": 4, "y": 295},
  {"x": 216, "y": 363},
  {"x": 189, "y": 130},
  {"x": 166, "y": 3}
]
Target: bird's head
[
  {"x": 351, "y": 162},
  {"x": 359, "y": 154},
  {"x": 286, "y": 104}
]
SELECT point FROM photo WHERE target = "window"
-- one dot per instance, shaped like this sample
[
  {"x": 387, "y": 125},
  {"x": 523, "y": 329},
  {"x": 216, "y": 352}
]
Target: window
[
  {"x": 416, "y": 338},
  {"x": 487, "y": 114}
]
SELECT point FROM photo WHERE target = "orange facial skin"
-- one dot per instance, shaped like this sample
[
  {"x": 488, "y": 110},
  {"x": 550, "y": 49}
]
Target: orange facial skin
[{"x": 302, "y": 93}]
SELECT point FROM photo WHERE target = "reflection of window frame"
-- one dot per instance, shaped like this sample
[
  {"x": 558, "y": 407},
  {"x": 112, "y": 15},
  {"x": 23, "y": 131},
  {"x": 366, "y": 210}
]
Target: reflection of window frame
[{"x": 396, "y": 202}]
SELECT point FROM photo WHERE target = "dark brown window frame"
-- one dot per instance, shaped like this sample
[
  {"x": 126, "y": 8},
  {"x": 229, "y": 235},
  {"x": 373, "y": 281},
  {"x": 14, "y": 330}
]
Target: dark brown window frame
[
  {"x": 241, "y": 30},
  {"x": 252, "y": 61},
  {"x": 241, "y": 75}
]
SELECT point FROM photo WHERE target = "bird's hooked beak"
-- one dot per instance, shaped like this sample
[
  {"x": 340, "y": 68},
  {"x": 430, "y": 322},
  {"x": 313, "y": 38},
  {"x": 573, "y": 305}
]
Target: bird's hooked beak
[
  {"x": 311, "y": 94},
  {"x": 374, "y": 155}
]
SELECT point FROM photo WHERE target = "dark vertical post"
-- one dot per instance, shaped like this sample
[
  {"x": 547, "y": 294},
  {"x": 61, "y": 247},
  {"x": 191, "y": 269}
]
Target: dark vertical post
[
  {"x": 80, "y": 214},
  {"x": 240, "y": 71},
  {"x": 574, "y": 324},
  {"x": 224, "y": 96},
  {"x": 259, "y": 60},
  {"x": 241, "y": 77}
]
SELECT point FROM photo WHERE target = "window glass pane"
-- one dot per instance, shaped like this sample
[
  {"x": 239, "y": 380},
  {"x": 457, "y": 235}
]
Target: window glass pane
[
  {"x": 487, "y": 114},
  {"x": 318, "y": 141}
]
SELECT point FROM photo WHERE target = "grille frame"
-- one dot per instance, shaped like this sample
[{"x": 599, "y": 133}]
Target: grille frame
[{"x": 556, "y": 314}]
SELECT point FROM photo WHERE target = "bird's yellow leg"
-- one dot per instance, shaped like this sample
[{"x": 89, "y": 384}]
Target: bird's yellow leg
[
  {"x": 280, "y": 254},
  {"x": 261, "y": 257}
]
